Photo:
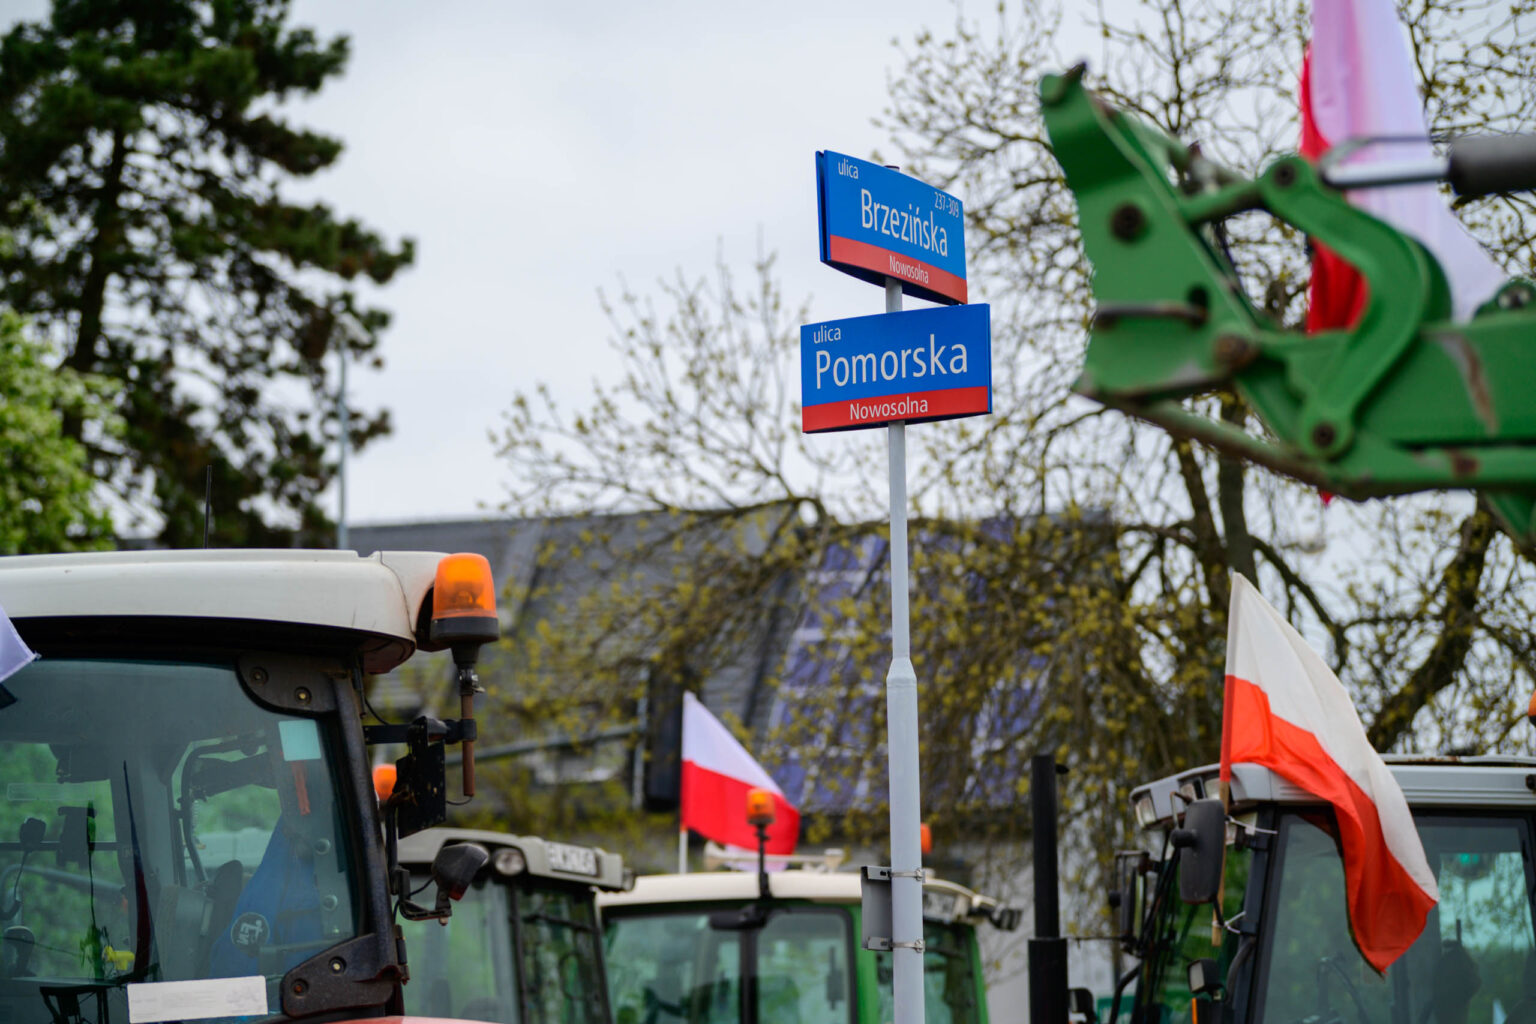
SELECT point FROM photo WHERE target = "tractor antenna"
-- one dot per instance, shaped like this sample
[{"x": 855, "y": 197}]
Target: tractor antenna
[{"x": 207, "y": 502}]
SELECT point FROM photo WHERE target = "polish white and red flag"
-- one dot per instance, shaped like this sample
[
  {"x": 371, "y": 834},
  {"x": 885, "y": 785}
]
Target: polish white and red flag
[
  {"x": 717, "y": 775},
  {"x": 1358, "y": 82},
  {"x": 1285, "y": 710}
]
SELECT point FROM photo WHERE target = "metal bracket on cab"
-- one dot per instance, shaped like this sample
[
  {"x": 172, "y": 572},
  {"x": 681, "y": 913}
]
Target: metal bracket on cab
[{"x": 875, "y": 919}]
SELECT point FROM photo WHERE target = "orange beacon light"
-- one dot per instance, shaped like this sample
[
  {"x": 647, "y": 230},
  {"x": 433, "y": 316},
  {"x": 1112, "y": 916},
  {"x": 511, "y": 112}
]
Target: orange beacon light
[
  {"x": 464, "y": 618},
  {"x": 384, "y": 776},
  {"x": 760, "y": 809}
]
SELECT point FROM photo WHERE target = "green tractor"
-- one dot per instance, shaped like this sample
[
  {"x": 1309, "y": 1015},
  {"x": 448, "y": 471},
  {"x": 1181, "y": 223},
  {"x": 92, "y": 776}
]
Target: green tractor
[
  {"x": 732, "y": 946},
  {"x": 1270, "y": 874}
]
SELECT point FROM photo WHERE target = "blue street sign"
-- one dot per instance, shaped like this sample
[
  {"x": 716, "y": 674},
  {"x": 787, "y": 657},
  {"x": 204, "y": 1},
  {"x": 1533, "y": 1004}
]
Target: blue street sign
[
  {"x": 912, "y": 366},
  {"x": 878, "y": 223}
]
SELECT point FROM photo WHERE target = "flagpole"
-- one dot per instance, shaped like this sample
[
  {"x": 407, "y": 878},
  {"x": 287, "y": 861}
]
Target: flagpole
[
  {"x": 1221, "y": 885},
  {"x": 1225, "y": 740}
]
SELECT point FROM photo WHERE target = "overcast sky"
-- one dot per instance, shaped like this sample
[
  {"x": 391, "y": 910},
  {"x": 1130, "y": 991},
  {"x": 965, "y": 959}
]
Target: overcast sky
[{"x": 537, "y": 152}]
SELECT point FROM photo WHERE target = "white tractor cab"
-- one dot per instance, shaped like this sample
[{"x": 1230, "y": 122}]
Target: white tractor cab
[
  {"x": 523, "y": 946},
  {"x": 188, "y": 827},
  {"x": 714, "y": 947},
  {"x": 1284, "y": 953}
]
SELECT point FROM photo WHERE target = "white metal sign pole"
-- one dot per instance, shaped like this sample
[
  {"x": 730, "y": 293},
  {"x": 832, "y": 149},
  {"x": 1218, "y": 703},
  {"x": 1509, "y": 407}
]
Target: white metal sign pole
[{"x": 901, "y": 746}]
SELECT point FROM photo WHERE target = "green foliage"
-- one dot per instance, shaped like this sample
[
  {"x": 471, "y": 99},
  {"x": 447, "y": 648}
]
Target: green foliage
[
  {"x": 47, "y": 494},
  {"x": 141, "y": 158}
]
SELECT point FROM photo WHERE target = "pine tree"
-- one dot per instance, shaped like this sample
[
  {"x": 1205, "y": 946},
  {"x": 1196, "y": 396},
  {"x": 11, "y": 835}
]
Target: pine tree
[{"x": 141, "y": 165}]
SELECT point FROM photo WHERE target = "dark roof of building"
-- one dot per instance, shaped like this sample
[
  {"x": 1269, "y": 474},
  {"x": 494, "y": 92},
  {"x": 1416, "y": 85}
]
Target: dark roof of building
[
  {"x": 526, "y": 554},
  {"x": 538, "y": 580}
]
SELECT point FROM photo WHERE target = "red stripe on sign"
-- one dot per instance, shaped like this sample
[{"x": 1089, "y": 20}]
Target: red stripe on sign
[
  {"x": 873, "y": 412},
  {"x": 715, "y": 806},
  {"x": 1387, "y": 909},
  {"x": 894, "y": 264}
]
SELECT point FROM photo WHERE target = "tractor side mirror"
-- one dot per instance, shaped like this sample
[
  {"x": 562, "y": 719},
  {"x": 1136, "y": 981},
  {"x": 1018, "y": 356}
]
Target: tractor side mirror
[
  {"x": 455, "y": 867},
  {"x": 1201, "y": 846},
  {"x": 1081, "y": 1005},
  {"x": 1204, "y": 977},
  {"x": 1006, "y": 919},
  {"x": 1125, "y": 897},
  {"x": 453, "y": 870}
]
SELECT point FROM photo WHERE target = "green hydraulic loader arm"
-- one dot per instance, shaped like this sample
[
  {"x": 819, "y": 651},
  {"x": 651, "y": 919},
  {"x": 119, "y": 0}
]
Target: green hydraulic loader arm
[{"x": 1409, "y": 399}]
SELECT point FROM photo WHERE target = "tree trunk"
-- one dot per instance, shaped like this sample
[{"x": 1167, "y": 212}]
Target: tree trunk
[
  {"x": 108, "y": 237},
  {"x": 1208, "y": 548}
]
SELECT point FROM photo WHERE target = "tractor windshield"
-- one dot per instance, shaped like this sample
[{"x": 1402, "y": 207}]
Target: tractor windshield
[
  {"x": 722, "y": 964},
  {"x": 158, "y": 825},
  {"x": 1473, "y": 963},
  {"x": 683, "y": 966},
  {"x": 561, "y": 954}
]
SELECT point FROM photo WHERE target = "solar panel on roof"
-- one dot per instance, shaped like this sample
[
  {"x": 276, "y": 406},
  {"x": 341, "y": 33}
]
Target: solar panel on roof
[{"x": 825, "y": 703}]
